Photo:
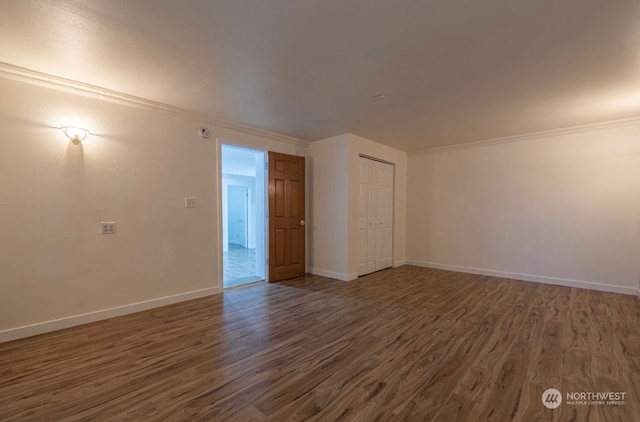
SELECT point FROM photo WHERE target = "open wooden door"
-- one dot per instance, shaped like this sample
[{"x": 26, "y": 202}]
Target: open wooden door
[{"x": 286, "y": 216}]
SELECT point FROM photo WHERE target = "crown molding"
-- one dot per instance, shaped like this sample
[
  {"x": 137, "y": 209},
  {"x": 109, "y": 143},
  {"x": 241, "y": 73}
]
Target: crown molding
[
  {"x": 533, "y": 135},
  {"x": 33, "y": 77}
]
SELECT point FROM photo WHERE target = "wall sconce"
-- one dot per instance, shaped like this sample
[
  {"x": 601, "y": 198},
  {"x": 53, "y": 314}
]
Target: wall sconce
[{"x": 75, "y": 134}]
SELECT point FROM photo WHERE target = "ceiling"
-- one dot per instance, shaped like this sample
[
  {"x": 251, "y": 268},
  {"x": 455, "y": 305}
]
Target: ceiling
[{"x": 452, "y": 71}]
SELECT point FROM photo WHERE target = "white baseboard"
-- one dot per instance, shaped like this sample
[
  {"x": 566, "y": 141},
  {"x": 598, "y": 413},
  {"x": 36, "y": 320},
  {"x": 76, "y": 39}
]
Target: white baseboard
[
  {"x": 72, "y": 321},
  {"x": 528, "y": 277},
  {"x": 331, "y": 274},
  {"x": 399, "y": 263}
]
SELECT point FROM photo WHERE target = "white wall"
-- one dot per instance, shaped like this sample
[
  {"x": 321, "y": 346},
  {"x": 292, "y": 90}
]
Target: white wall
[
  {"x": 136, "y": 169},
  {"x": 328, "y": 168},
  {"x": 334, "y": 174},
  {"x": 561, "y": 208}
]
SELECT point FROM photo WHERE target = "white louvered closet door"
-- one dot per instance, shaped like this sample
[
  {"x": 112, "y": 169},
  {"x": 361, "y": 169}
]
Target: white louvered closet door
[{"x": 375, "y": 220}]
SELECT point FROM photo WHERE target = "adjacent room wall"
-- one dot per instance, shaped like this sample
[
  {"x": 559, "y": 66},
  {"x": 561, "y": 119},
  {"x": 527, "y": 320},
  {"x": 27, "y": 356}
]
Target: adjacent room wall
[
  {"x": 563, "y": 208},
  {"x": 334, "y": 208},
  {"x": 136, "y": 168}
]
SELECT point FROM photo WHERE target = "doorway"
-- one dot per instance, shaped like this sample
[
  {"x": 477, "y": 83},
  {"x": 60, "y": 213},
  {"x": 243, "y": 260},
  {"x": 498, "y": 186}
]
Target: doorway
[{"x": 243, "y": 215}]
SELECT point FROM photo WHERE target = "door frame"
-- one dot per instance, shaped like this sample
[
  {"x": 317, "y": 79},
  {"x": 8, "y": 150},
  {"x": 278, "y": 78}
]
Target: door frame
[{"x": 218, "y": 200}]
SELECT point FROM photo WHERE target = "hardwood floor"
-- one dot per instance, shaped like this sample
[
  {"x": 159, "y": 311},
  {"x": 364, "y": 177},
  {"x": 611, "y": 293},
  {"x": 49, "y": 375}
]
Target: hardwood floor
[{"x": 409, "y": 344}]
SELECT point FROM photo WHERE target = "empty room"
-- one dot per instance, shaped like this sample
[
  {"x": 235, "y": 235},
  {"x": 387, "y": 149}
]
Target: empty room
[{"x": 337, "y": 210}]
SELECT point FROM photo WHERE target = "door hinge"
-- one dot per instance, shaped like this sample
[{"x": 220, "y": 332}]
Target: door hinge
[{"x": 266, "y": 165}]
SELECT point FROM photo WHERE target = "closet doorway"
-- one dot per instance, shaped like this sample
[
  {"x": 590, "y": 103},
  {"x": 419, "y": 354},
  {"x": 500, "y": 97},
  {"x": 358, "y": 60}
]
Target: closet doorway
[{"x": 375, "y": 215}]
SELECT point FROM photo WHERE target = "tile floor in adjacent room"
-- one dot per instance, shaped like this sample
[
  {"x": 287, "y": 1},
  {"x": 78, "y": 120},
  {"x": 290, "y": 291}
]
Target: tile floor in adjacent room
[{"x": 239, "y": 265}]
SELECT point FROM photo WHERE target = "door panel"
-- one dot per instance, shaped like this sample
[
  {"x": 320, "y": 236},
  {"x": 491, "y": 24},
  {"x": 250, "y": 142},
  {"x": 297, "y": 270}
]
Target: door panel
[
  {"x": 362, "y": 216},
  {"x": 372, "y": 221},
  {"x": 286, "y": 216},
  {"x": 385, "y": 215},
  {"x": 375, "y": 216}
]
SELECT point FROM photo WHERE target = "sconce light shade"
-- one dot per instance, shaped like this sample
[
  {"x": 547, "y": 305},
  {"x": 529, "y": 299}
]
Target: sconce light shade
[{"x": 75, "y": 134}]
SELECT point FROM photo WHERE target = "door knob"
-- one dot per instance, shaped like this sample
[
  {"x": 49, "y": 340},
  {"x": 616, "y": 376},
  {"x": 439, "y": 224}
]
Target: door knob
[{"x": 301, "y": 222}]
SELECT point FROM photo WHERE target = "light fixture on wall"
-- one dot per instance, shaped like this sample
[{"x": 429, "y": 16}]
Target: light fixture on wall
[{"x": 75, "y": 134}]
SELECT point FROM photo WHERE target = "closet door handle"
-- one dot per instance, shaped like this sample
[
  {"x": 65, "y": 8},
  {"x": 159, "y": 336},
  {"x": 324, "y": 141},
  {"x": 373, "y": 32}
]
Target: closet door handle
[{"x": 302, "y": 223}]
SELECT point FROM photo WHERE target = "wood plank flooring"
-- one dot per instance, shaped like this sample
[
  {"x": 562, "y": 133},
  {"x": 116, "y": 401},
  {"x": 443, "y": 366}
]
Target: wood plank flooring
[{"x": 407, "y": 344}]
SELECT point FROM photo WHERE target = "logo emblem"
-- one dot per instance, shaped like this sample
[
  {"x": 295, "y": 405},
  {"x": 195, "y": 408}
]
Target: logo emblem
[{"x": 551, "y": 398}]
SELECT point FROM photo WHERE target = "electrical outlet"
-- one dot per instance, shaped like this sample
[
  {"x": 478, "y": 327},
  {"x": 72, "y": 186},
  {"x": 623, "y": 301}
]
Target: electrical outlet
[
  {"x": 190, "y": 202},
  {"x": 108, "y": 228}
]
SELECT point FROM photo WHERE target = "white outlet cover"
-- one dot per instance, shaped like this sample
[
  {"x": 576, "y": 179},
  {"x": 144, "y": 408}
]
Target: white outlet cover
[
  {"x": 190, "y": 202},
  {"x": 108, "y": 227}
]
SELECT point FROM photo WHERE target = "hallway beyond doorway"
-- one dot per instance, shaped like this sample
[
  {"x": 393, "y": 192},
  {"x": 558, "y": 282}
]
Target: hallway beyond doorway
[{"x": 243, "y": 215}]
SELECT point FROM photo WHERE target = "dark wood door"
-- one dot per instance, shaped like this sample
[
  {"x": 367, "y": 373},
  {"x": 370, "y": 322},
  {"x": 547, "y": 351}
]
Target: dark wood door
[{"x": 286, "y": 216}]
